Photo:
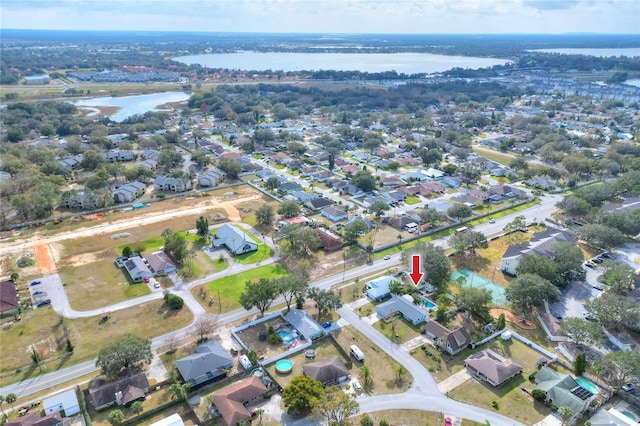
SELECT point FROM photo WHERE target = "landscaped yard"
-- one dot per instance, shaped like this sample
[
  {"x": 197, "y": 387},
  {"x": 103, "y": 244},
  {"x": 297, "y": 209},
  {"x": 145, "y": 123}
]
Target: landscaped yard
[
  {"x": 97, "y": 284},
  {"x": 231, "y": 287},
  {"x": 410, "y": 199},
  {"x": 412, "y": 417},
  {"x": 398, "y": 330},
  {"x": 264, "y": 252}
]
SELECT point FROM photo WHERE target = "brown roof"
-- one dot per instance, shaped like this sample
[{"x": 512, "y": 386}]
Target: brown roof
[
  {"x": 494, "y": 367},
  {"x": 230, "y": 400},
  {"x": 458, "y": 338},
  {"x": 328, "y": 241},
  {"x": 436, "y": 329},
  {"x": 34, "y": 419},
  {"x": 102, "y": 392},
  {"x": 326, "y": 370},
  {"x": 8, "y": 296},
  {"x": 552, "y": 323}
]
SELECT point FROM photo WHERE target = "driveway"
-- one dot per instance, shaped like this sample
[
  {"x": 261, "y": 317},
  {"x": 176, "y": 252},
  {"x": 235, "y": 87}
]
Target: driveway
[{"x": 571, "y": 303}]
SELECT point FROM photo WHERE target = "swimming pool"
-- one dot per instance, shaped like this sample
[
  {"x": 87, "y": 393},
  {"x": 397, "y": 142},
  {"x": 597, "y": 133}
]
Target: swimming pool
[
  {"x": 629, "y": 415},
  {"x": 471, "y": 279},
  {"x": 284, "y": 366},
  {"x": 288, "y": 335},
  {"x": 587, "y": 385},
  {"x": 428, "y": 303}
]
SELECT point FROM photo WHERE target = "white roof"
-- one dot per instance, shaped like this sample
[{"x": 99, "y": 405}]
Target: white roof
[
  {"x": 68, "y": 400},
  {"x": 172, "y": 420}
]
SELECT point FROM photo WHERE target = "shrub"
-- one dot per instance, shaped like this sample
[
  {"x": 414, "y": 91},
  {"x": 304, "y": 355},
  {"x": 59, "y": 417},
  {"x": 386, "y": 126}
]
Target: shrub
[
  {"x": 175, "y": 302},
  {"x": 274, "y": 338},
  {"x": 538, "y": 395},
  {"x": 553, "y": 408},
  {"x": 495, "y": 404},
  {"x": 532, "y": 377}
]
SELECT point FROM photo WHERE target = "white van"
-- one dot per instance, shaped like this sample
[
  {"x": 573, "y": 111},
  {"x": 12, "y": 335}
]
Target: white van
[{"x": 356, "y": 353}]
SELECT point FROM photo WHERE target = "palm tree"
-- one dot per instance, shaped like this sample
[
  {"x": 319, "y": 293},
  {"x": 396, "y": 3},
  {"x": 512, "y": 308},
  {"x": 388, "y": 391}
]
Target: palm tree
[
  {"x": 367, "y": 378},
  {"x": 179, "y": 390},
  {"x": 401, "y": 371},
  {"x": 259, "y": 413},
  {"x": 565, "y": 413}
]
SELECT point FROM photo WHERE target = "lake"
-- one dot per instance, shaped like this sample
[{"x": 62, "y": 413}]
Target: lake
[
  {"x": 409, "y": 63},
  {"x": 603, "y": 53},
  {"x": 131, "y": 105},
  {"x": 633, "y": 82}
]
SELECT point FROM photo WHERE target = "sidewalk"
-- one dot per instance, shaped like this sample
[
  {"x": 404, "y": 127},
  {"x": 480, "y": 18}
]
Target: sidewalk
[{"x": 453, "y": 381}]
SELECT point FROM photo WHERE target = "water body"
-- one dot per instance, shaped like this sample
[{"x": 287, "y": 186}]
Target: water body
[
  {"x": 409, "y": 63},
  {"x": 603, "y": 53},
  {"x": 633, "y": 82},
  {"x": 131, "y": 105}
]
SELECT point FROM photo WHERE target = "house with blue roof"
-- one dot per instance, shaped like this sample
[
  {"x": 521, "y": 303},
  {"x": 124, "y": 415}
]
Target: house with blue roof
[
  {"x": 403, "y": 306},
  {"x": 452, "y": 182},
  {"x": 234, "y": 240},
  {"x": 210, "y": 362},
  {"x": 378, "y": 289}
]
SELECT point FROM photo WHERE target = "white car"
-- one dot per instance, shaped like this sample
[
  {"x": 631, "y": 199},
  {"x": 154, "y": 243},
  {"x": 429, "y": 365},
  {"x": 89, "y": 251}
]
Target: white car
[
  {"x": 387, "y": 257},
  {"x": 492, "y": 221},
  {"x": 628, "y": 387}
]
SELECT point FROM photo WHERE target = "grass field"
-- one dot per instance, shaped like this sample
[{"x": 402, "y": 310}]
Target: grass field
[
  {"x": 410, "y": 199},
  {"x": 264, "y": 252},
  {"x": 46, "y": 331},
  {"x": 398, "y": 330},
  {"x": 231, "y": 287},
  {"x": 411, "y": 417}
]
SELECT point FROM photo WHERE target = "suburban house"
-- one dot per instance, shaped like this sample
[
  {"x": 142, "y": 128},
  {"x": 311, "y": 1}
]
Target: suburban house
[
  {"x": 209, "y": 362},
  {"x": 123, "y": 391},
  {"x": 329, "y": 240},
  {"x": 66, "y": 401},
  {"x": 137, "y": 269},
  {"x": 306, "y": 326},
  {"x": 34, "y": 419},
  {"x": 168, "y": 184},
  {"x": 551, "y": 326},
  {"x": 289, "y": 187},
  {"x": 118, "y": 156},
  {"x": 562, "y": 390},
  {"x": 405, "y": 307},
  {"x": 129, "y": 192},
  {"x": 334, "y": 213},
  {"x": 540, "y": 244},
  {"x": 72, "y": 163},
  {"x": 234, "y": 240},
  {"x": 318, "y": 203},
  {"x": 232, "y": 400},
  {"x": 81, "y": 200},
  {"x": 454, "y": 341},
  {"x": 505, "y": 191},
  {"x": 330, "y": 371},
  {"x": 160, "y": 263},
  {"x": 9, "y": 302},
  {"x": 433, "y": 174},
  {"x": 492, "y": 368},
  {"x": 435, "y": 330},
  {"x": 378, "y": 289},
  {"x": 542, "y": 183},
  {"x": 211, "y": 178},
  {"x": 148, "y": 164}
]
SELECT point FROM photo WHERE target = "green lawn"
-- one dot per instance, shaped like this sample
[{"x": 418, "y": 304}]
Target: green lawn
[
  {"x": 154, "y": 243},
  {"x": 410, "y": 199},
  {"x": 232, "y": 286},
  {"x": 398, "y": 330},
  {"x": 264, "y": 252}
]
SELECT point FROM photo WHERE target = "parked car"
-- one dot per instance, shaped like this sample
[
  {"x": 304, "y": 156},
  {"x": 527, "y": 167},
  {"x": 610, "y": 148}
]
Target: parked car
[
  {"x": 36, "y": 282},
  {"x": 492, "y": 221},
  {"x": 596, "y": 260},
  {"x": 387, "y": 257},
  {"x": 589, "y": 265},
  {"x": 598, "y": 287},
  {"x": 447, "y": 421},
  {"x": 44, "y": 303},
  {"x": 357, "y": 386},
  {"x": 606, "y": 255},
  {"x": 629, "y": 387}
]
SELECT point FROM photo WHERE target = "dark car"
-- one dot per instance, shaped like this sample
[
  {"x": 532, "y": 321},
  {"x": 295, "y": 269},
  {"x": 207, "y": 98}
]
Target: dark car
[
  {"x": 44, "y": 303},
  {"x": 35, "y": 293},
  {"x": 596, "y": 260},
  {"x": 326, "y": 325},
  {"x": 36, "y": 282},
  {"x": 606, "y": 255},
  {"x": 588, "y": 265},
  {"x": 559, "y": 316}
]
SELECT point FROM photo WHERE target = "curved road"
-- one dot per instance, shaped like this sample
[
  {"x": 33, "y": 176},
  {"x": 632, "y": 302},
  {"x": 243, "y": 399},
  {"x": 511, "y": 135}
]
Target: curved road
[{"x": 423, "y": 395}]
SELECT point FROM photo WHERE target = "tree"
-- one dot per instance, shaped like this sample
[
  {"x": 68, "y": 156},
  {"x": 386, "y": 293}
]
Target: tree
[
  {"x": 259, "y": 295},
  {"x": 289, "y": 208},
  {"x": 470, "y": 241},
  {"x": 115, "y": 417},
  {"x": 292, "y": 287},
  {"x": 169, "y": 159},
  {"x": 265, "y": 215},
  {"x": 396, "y": 287},
  {"x": 378, "y": 208},
  {"x": 91, "y": 160},
  {"x": 179, "y": 390},
  {"x": 272, "y": 183},
  {"x": 617, "y": 368},
  {"x": 518, "y": 223},
  {"x": 568, "y": 257},
  {"x": 435, "y": 263},
  {"x": 137, "y": 408},
  {"x": 366, "y": 420},
  {"x": 201, "y": 158},
  {"x": 540, "y": 266},
  {"x": 202, "y": 227},
  {"x": 432, "y": 217},
  {"x": 476, "y": 301},
  {"x": 205, "y": 325},
  {"x": 125, "y": 352},
  {"x": 296, "y": 242},
  {"x": 325, "y": 300},
  {"x": 354, "y": 231},
  {"x": 35, "y": 356},
  {"x": 302, "y": 395},
  {"x": 566, "y": 413},
  {"x": 527, "y": 291},
  {"x": 614, "y": 311},
  {"x": 574, "y": 206},
  {"x": 401, "y": 372},
  {"x": 583, "y": 331},
  {"x": 363, "y": 180},
  {"x": 366, "y": 375},
  {"x": 519, "y": 163},
  {"x": 580, "y": 364},
  {"x": 602, "y": 236},
  {"x": 231, "y": 167},
  {"x": 459, "y": 211},
  {"x": 618, "y": 277},
  {"x": 174, "y": 301},
  {"x": 336, "y": 406},
  {"x": 501, "y": 323},
  {"x": 69, "y": 346},
  {"x": 175, "y": 244},
  {"x": 469, "y": 174},
  {"x": 11, "y": 398}
]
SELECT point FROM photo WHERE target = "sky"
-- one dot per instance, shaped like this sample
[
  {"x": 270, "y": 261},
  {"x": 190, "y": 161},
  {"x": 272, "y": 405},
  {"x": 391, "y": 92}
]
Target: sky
[{"x": 329, "y": 16}]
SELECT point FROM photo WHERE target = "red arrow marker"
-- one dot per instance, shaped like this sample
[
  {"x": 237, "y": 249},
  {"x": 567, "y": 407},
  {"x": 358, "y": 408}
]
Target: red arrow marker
[{"x": 416, "y": 275}]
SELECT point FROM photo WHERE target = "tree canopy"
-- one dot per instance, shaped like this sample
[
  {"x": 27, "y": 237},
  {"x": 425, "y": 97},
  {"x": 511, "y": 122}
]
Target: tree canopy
[
  {"x": 125, "y": 352},
  {"x": 336, "y": 406},
  {"x": 583, "y": 331},
  {"x": 265, "y": 215},
  {"x": 527, "y": 291},
  {"x": 302, "y": 395},
  {"x": 618, "y": 368},
  {"x": 289, "y": 208},
  {"x": 476, "y": 301},
  {"x": 435, "y": 263},
  {"x": 259, "y": 295}
]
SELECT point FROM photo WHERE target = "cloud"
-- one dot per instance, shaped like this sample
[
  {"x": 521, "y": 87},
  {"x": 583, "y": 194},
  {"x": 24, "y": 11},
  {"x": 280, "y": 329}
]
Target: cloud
[{"x": 551, "y": 4}]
